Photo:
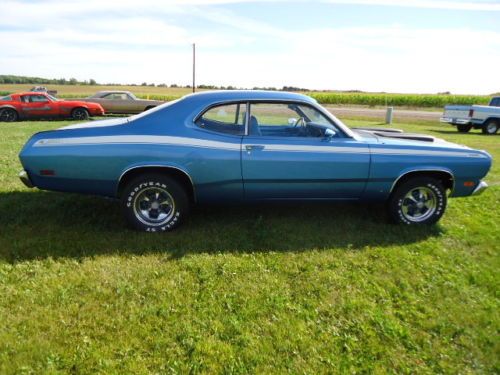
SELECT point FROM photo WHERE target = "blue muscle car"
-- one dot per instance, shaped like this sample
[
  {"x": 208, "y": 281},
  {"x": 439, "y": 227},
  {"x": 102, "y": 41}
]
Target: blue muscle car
[{"x": 249, "y": 146}]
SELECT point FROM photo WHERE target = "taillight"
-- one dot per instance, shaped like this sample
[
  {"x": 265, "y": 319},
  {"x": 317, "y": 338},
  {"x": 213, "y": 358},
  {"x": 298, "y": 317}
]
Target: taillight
[{"x": 471, "y": 113}]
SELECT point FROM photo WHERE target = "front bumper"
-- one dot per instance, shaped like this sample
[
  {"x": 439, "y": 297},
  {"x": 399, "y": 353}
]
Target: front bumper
[
  {"x": 97, "y": 112},
  {"x": 480, "y": 188},
  {"x": 25, "y": 178}
]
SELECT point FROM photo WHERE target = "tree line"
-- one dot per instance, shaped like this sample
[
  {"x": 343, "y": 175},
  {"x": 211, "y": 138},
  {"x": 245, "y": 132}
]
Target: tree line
[{"x": 13, "y": 79}]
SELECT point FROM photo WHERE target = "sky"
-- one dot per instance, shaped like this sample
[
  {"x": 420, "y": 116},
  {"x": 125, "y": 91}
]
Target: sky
[{"x": 406, "y": 46}]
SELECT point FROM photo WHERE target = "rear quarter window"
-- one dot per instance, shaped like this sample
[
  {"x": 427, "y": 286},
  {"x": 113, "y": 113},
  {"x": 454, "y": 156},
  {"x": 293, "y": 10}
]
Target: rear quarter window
[
  {"x": 225, "y": 118},
  {"x": 7, "y": 98}
]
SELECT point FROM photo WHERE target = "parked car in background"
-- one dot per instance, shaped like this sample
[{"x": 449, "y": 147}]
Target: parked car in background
[
  {"x": 464, "y": 117},
  {"x": 247, "y": 146},
  {"x": 121, "y": 102},
  {"x": 31, "y": 105},
  {"x": 43, "y": 89}
]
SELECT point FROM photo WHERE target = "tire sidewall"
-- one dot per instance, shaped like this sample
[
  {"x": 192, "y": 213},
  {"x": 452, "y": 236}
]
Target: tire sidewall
[
  {"x": 396, "y": 203},
  {"x": 83, "y": 110},
  {"x": 495, "y": 129},
  {"x": 14, "y": 117},
  {"x": 134, "y": 188}
]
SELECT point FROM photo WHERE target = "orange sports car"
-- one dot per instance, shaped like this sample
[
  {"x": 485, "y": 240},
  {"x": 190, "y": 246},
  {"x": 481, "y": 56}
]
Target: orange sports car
[{"x": 33, "y": 105}]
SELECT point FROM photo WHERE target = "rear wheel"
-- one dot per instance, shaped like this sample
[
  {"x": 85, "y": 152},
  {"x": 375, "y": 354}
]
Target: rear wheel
[
  {"x": 8, "y": 115},
  {"x": 420, "y": 200},
  {"x": 491, "y": 127},
  {"x": 80, "y": 114},
  {"x": 464, "y": 128},
  {"x": 154, "y": 203}
]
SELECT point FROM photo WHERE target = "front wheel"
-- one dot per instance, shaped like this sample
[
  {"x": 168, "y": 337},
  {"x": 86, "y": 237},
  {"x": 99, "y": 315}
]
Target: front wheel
[
  {"x": 418, "y": 201},
  {"x": 464, "y": 128},
  {"x": 80, "y": 114},
  {"x": 154, "y": 203},
  {"x": 490, "y": 128}
]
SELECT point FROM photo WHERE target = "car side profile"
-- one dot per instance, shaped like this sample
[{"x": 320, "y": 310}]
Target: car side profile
[
  {"x": 35, "y": 105},
  {"x": 465, "y": 118},
  {"x": 247, "y": 146},
  {"x": 121, "y": 102}
]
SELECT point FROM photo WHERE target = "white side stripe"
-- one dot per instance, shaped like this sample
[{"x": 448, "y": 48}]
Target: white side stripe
[
  {"x": 138, "y": 139},
  {"x": 202, "y": 143}
]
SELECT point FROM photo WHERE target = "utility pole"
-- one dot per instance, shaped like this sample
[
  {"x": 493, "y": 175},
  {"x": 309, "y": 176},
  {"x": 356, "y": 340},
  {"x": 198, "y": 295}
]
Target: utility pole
[{"x": 194, "y": 67}]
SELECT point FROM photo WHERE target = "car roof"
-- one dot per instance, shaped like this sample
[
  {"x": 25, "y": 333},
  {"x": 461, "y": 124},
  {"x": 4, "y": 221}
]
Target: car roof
[
  {"x": 29, "y": 93},
  {"x": 237, "y": 95},
  {"x": 112, "y": 92}
]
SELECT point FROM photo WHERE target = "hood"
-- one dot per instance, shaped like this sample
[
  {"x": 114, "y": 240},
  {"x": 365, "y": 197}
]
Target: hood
[
  {"x": 399, "y": 139},
  {"x": 98, "y": 124}
]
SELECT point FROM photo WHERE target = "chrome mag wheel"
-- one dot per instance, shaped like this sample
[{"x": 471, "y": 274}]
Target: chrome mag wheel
[
  {"x": 154, "y": 206},
  {"x": 419, "y": 204}
]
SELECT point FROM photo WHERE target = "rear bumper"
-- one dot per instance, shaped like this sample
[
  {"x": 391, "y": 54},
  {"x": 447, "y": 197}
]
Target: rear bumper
[
  {"x": 455, "y": 121},
  {"x": 480, "y": 188},
  {"x": 25, "y": 179}
]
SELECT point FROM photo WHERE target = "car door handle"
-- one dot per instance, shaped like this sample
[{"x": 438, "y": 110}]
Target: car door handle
[{"x": 254, "y": 147}]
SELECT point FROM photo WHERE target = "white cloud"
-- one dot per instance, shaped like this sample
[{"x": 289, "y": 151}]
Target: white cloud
[
  {"x": 491, "y": 6},
  {"x": 153, "y": 44}
]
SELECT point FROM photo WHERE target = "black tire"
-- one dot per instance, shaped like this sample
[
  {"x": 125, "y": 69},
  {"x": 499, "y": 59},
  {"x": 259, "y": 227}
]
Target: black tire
[
  {"x": 491, "y": 127},
  {"x": 464, "y": 128},
  {"x": 8, "y": 115},
  {"x": 142, "y": 203},
  {"x": 148, "y": 108},
  {"x": 80, "y": 114},
  {"x": 415, "y": 210}
]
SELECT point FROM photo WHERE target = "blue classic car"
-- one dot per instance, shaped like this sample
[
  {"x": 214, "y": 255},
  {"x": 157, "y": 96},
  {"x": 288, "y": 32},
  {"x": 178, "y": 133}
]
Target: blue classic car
[{"x": 234, "y": 146}]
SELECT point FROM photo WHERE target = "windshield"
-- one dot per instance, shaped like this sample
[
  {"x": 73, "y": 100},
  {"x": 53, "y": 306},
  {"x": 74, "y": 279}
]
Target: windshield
[{"x": 54, "y": 99}]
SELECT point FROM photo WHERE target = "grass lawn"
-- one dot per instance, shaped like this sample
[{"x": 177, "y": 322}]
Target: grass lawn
[{"x": 301, "y": 289}]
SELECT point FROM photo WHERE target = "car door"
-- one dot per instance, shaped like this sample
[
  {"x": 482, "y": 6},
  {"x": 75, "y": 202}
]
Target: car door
[
  {"x": 38, "y": 105},
  {"x": 216, "y": 163},
  {"x": 111, "y": 103},
  {"x": 293, "y": 151}
]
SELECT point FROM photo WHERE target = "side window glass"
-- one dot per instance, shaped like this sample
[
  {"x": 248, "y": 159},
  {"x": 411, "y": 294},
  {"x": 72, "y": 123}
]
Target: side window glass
[
  {"x": 34, "y": 99},
  {"x": 227, "y": 118},
  {"x": 288, "y": 120}
]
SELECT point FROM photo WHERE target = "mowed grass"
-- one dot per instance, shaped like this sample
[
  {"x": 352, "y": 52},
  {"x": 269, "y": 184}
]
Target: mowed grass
[{"x": 250, "y": 289}]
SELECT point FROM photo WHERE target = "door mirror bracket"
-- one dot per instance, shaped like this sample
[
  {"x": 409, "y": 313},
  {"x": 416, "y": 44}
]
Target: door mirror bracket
[{"x": 330, "y": 133}]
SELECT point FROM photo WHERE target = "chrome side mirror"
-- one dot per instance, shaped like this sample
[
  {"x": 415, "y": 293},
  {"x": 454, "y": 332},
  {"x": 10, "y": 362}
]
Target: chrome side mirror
[
  {"x": 292, "y": 121},
  {"x": 330, "y": 133}
]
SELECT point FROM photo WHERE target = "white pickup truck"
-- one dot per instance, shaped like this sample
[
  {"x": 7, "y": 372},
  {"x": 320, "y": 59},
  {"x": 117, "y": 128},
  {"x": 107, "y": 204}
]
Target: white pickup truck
[{"x": 465, "y": 117}]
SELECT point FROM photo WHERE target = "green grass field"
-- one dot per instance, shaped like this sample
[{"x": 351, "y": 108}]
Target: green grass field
[
  {"x": 280, "y": 289},
  {"x": 332, "y": 98}
]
